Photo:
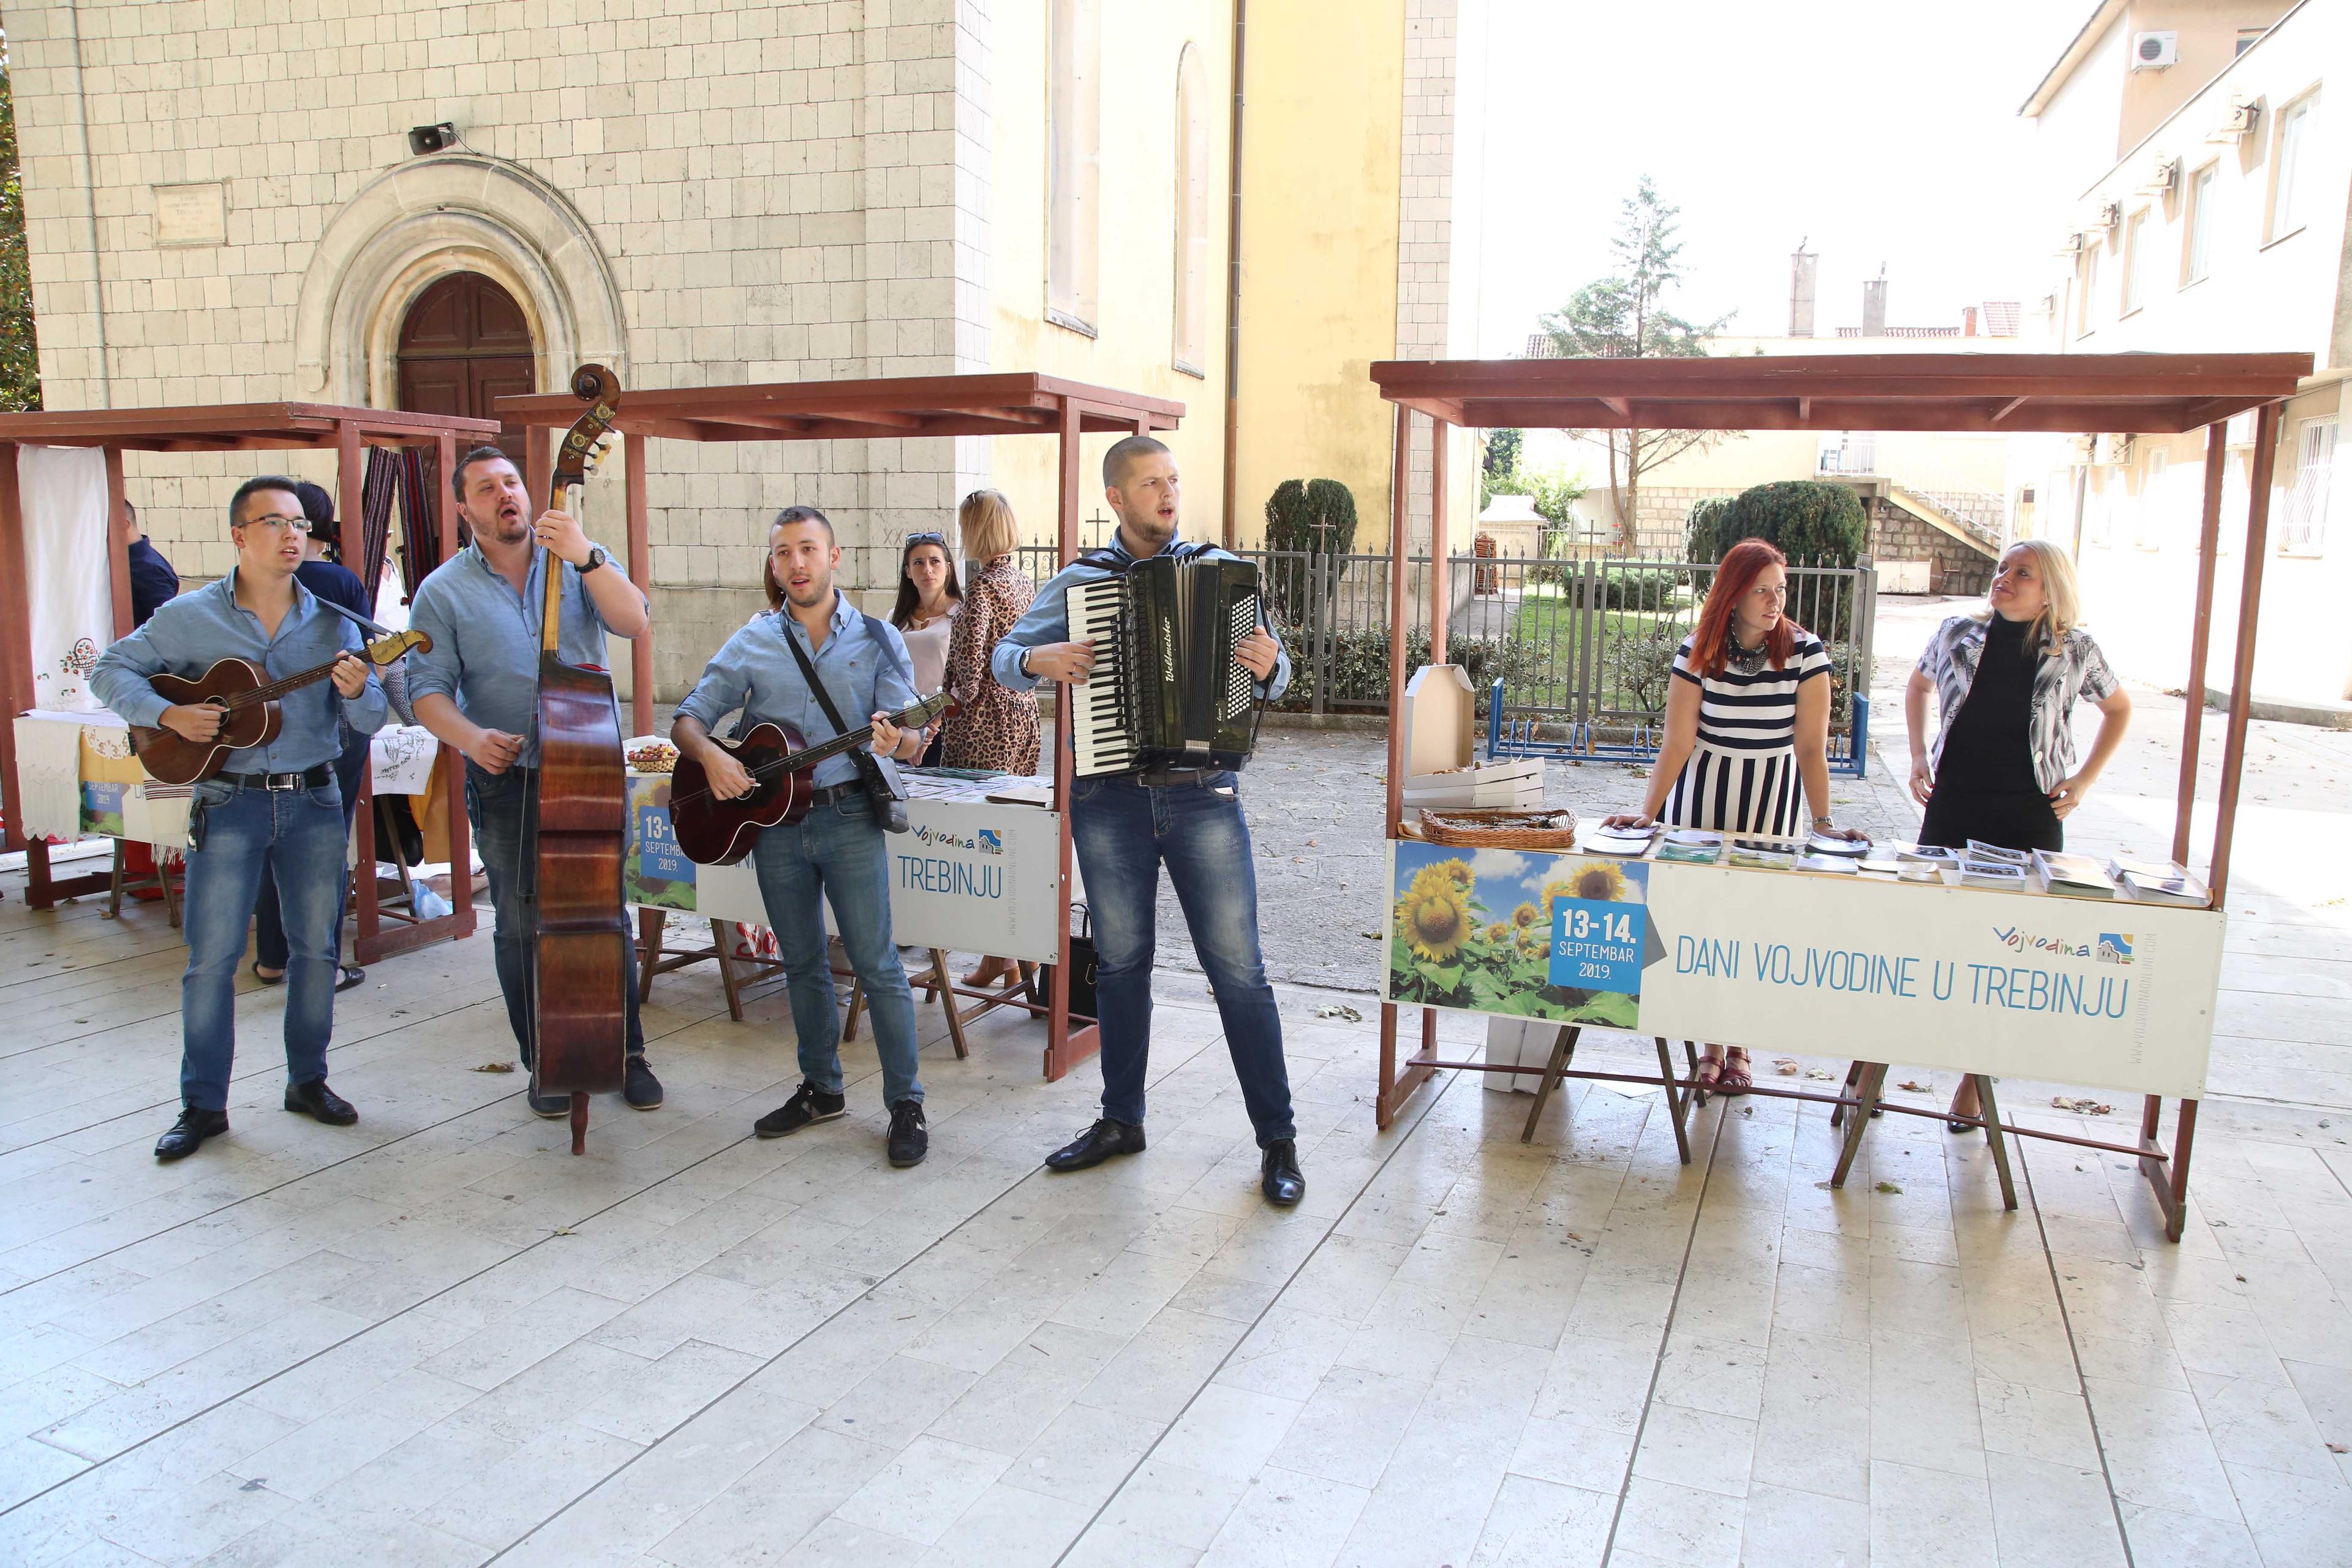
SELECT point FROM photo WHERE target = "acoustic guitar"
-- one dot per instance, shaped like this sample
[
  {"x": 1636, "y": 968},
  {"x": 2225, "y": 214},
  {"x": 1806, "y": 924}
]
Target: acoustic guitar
[
  {"x": 247, "y": 701},
  {"x": 782, "y": 765}
]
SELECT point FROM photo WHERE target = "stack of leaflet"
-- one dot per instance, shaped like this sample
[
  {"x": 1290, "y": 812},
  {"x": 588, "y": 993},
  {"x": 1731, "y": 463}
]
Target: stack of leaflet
[
  {"x": 2160, "y": 882},
  {"x": 1626, "y": 843},
  {"x": 1990, "y": 865},
  {"x": 1516, "y": 783},
  {"x": 1763, "y": 854},
  {"x": 1841, "y": 856},
  {"x": 1692, "y": 846},
  {"x": 2075, "y": 876},
  {"x": 1843, "y": 865},
  {"x": 1925, "y": 862}
]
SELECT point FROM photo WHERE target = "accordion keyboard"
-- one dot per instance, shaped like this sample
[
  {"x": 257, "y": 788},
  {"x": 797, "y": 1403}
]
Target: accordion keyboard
[{"x": 1104, "y": 741}]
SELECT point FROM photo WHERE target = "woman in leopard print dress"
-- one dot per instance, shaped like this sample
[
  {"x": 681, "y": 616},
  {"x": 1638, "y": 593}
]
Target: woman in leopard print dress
[{"x": 992, "y": 727}]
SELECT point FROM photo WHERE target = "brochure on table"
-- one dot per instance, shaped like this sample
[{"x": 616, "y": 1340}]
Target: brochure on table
[
  {"x": 968, "y": 874},
  {"x": 2104, "y": 992}
]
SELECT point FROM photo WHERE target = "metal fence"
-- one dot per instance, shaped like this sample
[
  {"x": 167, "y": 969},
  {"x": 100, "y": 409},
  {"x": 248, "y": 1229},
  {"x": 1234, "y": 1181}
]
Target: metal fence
[{"x": 1584, "y": 649}]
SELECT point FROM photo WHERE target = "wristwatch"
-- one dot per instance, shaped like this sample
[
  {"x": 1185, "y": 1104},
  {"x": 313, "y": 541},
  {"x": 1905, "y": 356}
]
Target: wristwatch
[
  {"x": 1023, "y": 661},
  {"x": 596, "y": 557}
]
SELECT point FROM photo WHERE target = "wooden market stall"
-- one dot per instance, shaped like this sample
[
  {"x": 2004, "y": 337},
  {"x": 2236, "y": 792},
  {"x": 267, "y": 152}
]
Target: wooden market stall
[
  {"x": 347, "y": 432},
  {"x": 898, "y": 408},
  {"x": 1997, "y": 393}
]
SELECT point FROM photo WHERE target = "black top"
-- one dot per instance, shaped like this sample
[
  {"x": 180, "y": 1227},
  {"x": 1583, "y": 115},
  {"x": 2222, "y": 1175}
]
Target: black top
[
  {"x": 1988, "y": 752},
  {"x": 336, "y": 585},
  {"x": 153, "y": 583}
]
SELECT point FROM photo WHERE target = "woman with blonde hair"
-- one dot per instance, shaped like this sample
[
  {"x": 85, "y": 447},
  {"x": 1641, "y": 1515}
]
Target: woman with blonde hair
[
  {"x": 992, "y": 726},
  {"x": 2007, "y": 675}
]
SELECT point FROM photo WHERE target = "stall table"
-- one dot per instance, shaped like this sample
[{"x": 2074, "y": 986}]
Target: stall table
[{"x": 2136, "y": 1016}]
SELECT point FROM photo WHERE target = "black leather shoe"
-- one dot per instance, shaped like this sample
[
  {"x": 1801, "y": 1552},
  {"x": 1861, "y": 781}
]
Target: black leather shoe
[
  {"x": 908, "y": 1140},
  {"x": 1098, "y": 1143},
  {"x": 1280, "y": 1180},
  {"x": 316, "y": 1100},
  {"x": 639, "y": 1087},
  {"x": 350, "y": 976},
  {"x": 808, "y": 1103},
  {"x": 190, "y": 1132},
  {"x": 548, "y": 1105}
]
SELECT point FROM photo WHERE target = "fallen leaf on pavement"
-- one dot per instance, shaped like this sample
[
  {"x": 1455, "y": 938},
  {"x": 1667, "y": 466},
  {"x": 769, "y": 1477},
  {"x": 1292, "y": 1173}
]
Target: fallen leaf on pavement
[
  {"x": 2085, "y": 1107},
  {"x": 1785, "y": 1066},
  {"x": 1338, "y": 1010},
  {"x": 1914, "y": 1085},
  {"x": 496, "y": 1067},
  {"x": 1886, "y": 1187},
  {"x": 1819, "y": 1072}
]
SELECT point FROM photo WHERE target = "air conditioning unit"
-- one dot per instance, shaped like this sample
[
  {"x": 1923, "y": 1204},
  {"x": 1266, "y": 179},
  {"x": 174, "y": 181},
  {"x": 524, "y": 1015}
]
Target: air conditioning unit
[
  {"x": 2071, "y": 246},
  {"x": 2111, "y": 213},
  {"x": 2114, "y": 450},
  {"x": 2239, "y": 123},
  {"x": 2163, "y": 177},
  {"x": 2155, "y": 51}
]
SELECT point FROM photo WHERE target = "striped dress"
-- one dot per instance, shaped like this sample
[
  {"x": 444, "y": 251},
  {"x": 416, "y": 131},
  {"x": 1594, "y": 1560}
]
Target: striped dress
[{"x": 1742, "y": 775}]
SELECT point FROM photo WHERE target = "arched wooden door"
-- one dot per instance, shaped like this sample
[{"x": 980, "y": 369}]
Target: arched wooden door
[{"x": 463, "y": 344}]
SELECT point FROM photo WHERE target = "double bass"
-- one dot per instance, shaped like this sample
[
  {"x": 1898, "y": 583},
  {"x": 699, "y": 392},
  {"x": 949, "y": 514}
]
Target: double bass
[{"x": 585, "y": 957}]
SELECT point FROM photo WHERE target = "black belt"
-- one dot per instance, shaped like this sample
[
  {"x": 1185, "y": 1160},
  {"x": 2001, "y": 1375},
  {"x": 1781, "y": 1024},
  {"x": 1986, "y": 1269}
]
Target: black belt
[
  {"x": 310, "y": 778},
  {"x": 832, "y": 793},
  {"x": 1176, "y": 778}
]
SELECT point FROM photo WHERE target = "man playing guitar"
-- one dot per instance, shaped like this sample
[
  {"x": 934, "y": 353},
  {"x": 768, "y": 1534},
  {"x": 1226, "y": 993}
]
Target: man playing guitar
[
  {"x": 836, "y": 850},
  {"x": 273, "y": 810},
  {"x": 476, "y": 691}
]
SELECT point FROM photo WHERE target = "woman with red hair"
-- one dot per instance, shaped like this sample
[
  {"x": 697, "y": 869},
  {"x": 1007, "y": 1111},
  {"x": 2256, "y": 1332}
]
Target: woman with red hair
[{"x": 1748, "y": 725}]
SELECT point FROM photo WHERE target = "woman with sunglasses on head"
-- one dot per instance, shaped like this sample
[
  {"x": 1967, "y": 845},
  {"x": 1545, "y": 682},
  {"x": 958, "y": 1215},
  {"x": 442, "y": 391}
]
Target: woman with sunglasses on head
[
  {"x": 2007, "y": 675},
  {"x": 930, "y": 599},
  {"x": 1747, "y": 728},
  {"x": 993, "y": 726}
]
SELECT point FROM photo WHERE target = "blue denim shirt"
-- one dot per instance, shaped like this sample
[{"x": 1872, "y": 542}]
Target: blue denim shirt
[
  {"x": 1048, "y": 621},
  {"x": 756, "y": 672},
  {"x": 484, "y": 636},
  {"x": 189, "y": 635}
]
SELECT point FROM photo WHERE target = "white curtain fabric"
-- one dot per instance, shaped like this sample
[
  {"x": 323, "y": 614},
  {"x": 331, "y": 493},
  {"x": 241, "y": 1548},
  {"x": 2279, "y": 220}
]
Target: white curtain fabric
[
  {"x": 48, "y": 775},
  {"x": 68, "y": 573}
]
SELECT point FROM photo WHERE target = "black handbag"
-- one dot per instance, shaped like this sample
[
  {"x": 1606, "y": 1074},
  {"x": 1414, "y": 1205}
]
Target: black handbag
[{"x": 1083, "y": 959}]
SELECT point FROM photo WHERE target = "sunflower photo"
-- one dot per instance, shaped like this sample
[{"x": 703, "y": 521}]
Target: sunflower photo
[{"x": 1511, "y": 931}]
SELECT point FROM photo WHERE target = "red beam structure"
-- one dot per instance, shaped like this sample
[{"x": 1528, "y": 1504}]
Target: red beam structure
[
  {"x": 2073, "y": 394},
  {"x": 231, "y": 427},
  {"x": 891, "y": 408}
]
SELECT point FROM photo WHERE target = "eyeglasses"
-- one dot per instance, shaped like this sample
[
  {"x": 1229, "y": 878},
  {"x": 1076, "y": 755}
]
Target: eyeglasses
[
  {"x": 284, "y": 524},
  {"x": 926, "y": 538}
]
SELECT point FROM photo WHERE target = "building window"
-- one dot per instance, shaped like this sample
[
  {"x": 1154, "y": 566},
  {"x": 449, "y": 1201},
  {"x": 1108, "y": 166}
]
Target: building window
[
  {"x": 1192, "y": 303},
  {"x": 2294, "y": 125},
  {"x": 2134, "y": 261},
  {"x": 2085, "y": 313},
  {"x": 1073, "y": 164},
  {"x": 2249, "y": 36},
  {"x": 2197, "y": 243},
  {"x": 2305, "y": 528}
]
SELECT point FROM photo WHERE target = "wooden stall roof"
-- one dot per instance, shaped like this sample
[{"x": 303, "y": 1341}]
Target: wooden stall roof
[
  {"x": 888, "y": 408},
  {"x": 2122, "y": 393},
  {"x": 236, "y": 426}
]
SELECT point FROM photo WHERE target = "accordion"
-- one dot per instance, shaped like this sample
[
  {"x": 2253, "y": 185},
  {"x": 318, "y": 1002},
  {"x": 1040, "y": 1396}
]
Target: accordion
[{"x": 1165, "y": 690}]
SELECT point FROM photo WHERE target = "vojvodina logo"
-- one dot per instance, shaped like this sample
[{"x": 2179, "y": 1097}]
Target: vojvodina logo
[
  {"x": 989, "y": 842},
  {"x": 2020, "y": 940}
]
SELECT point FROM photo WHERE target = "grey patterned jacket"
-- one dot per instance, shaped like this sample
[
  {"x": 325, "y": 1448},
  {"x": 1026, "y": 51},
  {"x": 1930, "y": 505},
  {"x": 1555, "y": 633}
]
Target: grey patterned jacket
[{"x": 2080, "y": 669}]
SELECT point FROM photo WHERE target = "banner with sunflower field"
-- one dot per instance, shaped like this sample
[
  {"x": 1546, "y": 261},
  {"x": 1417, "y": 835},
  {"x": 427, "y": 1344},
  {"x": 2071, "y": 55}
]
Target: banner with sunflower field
[{"x": 1521, "y": 932}]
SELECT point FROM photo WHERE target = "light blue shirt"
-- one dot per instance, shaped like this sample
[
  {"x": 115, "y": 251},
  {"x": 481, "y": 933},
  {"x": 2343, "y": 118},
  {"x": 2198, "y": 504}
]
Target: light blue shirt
[
  {"x": 484, "y": 636},
  {"x": 1048, "y": 621},
  {"x": 756, "y": 673},
  {"x": 189, "y": 635}
]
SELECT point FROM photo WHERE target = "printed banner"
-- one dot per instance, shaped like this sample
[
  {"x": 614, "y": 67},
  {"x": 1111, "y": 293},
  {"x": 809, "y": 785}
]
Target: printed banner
[
  {"x": 1519, "y": 933},
  {"x": 656, "y": 874}
]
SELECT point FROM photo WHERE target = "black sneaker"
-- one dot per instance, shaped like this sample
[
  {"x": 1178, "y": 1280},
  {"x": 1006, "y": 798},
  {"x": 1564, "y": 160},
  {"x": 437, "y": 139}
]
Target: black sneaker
[
  {"x": 909, "y": 1141},
  {"x": 639, "y": 1087},
  {"x": 808, "y": 1103}
]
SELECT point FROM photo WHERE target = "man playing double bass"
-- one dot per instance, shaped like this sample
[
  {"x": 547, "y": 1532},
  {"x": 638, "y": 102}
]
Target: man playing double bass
[{"x": 477, "y": 691}]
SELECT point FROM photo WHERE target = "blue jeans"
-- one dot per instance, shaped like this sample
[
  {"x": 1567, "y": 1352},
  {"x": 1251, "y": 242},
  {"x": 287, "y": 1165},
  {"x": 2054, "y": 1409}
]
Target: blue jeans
[
  {"x": 1124, "y": 832},
  {"x": 269, "y": 923},
  {"x": 840, "y": 851},
  {"x": 494, "y": 805},
  {"x": 238, "y": 837}
]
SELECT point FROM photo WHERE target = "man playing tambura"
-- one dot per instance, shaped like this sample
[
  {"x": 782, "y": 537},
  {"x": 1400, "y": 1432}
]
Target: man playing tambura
[
  {"x": 272, "y": 811},
  {"x": 837, "y": 850},
  {"x": 477, "y": 690},
  {"x": 1126, "y": 827}
]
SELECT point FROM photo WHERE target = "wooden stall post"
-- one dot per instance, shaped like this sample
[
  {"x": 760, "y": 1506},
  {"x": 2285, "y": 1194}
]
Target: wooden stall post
[
  {"x": 2242, "y": 676},
  {"x": 1395, "y": 1089},
  {"x": 2209, "y": 539},
  {"x": 1064, "y": 1050},
  {"x": 15, "y": 663},
  {"x": 117, "y": 561},
  {"x": 452, "y": 764}
]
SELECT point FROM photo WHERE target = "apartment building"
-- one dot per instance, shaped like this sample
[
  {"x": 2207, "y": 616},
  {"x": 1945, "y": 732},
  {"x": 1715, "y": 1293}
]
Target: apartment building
[{"x": 2199, "y": 174}]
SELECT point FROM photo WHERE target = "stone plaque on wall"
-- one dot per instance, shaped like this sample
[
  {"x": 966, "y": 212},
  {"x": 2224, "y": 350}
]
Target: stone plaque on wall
[{"x": 192, "y": 215}]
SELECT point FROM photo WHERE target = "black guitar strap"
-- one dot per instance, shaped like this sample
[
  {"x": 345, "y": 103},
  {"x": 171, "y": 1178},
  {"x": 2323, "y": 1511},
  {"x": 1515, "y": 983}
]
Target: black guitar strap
[{"x": 881, "y": 790}]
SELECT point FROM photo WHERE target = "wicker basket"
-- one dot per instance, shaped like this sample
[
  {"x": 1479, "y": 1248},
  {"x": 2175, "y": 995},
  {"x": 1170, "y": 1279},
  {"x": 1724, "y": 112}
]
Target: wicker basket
[{"x": 1500, "y": 829}]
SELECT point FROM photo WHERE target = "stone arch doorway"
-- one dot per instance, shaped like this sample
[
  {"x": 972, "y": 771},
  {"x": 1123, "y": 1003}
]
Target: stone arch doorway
[{"x": 464, "y": 343}]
